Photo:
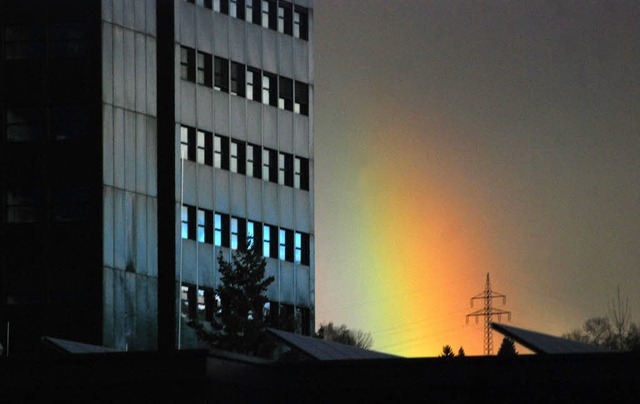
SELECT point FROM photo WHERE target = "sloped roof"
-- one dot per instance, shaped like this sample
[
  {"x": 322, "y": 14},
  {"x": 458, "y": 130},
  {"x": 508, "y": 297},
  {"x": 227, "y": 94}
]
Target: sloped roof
[
  {"x": 76, "y": 347},
  {"x": 327, "y": 350},
  {"x": 544, "y": 343}
]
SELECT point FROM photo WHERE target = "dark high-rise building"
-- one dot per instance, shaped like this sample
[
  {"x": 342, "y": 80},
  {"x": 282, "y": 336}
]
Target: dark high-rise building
[{"x": 139, "y": 140}]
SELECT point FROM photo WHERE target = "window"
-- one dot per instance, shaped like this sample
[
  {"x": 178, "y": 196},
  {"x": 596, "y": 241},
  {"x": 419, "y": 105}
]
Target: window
[
  {"x": 234, "y": 233},
  {"x": 202, "y": 307},
  {"x": 188, "y": 222},
  {"x": 24, "y": 205},
  {"x": 303, "y": 316},
  {"x": 269, "y": 89},
  {"x": 237, "y": 79},
  {"x": 184, "y": 300},
  {"x": 285, "y": 99},
  {"x": 187, "y": 63},
  {"x": 265, "y": 14},
  {"x": 221, "y": 152},
  {"x": 251, "y": 228},
  {"x": 24, "y": 42},
  {"x": 297, "y": 249},
  {"x": 69, "y": 122},
  {"x": 301, "y": 173},
  {"x": 280, "y": 18},
  {"x": 253, "y": 168},
  {"x": 68, "y": 40},
  {"x": 221, "y": 230},
  {"x": 201, "y": 226},
  {"x": 201, "y": 151},
  {"x": 301, "y": 105},
  {"x": 217, "y": 230},
  {"x": 25, "y": 124},
  {"x": 301, "y": 23},
  {"x": 266, "y": 241},
  {"x": 187, "y": 143},
  {"x": 254, "y": 78},
  {"x": 203, "y": 65},
  {"x": 221, "y": 72},
  {"x": 285, "y": 18},
  {"x": 70, "y": 204},
  {"x": 237, "y": 157},
  {"x": 221, "y": 6},
  {"x": 269, "y": 165},
  {"x": 233, "y": 8},
  {"x": 285, "y": 169},
  {"x": 282, "y": 244}
]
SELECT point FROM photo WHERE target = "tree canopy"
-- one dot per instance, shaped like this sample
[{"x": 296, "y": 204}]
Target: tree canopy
[
  {"x": 507, "y": 348},
  {"x": 344, "y": 335},
  {"x": 239, "y": 324}
]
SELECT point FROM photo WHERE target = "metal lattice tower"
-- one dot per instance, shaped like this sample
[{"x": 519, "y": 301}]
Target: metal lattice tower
[{"x": 487, "y": 312}]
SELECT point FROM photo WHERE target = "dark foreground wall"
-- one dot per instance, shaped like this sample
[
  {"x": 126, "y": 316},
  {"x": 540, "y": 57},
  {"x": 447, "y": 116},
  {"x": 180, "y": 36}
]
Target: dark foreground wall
[{"x": 195, "y": 377}]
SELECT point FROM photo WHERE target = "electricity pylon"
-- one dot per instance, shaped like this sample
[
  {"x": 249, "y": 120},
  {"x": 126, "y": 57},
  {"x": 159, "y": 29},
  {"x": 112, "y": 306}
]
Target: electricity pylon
[{"x": 487, "y": 312}]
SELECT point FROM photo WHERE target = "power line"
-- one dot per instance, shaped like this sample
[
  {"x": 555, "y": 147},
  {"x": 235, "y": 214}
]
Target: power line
[{"x": 487, "y": 312}]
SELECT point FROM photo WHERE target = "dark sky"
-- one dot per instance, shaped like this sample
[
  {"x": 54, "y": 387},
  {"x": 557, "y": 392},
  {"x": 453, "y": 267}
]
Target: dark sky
[{"x": 456, "y": 138}]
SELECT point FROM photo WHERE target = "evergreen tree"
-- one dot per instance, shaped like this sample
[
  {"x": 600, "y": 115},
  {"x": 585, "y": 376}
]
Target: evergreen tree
[
  {"x": 447, "y": 352},
  {"x": 507, "y": 348},
  {"x": 461, "y": 352},
  {"x": 239, "y": 325}
]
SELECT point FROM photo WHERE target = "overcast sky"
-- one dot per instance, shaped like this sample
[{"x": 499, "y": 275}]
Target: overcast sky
[{"x": 456, "y": 138}]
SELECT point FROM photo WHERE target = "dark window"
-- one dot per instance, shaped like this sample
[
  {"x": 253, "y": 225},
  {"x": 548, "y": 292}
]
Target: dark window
[
  {"x": 24, "y": 205},
  {"x": 304, "y": 320},
  {"x": 285, "y": 18},
  {"x": 24, "y": 42},
  {"x": 288, "y": 245},
  {"x": 237, "y": 163},
  {"x": 69, "y": 122},
  {"x": 187, "y": 63},
  {"x": 254, "y": 235},
  {"x": 203, "y": 73},
  {"x": 70, "y": 204},
  {"x": 236, "y": 9},
  {"x": 25, "y": 124},
  {"x": 68, "y": 40},
  {"x": 204, "y": 152},
  {"x": 285, "y": 169},
  {"x": 285, "y": 99},
  {"x": 221, "y": 230},
  {"x": 221, "y": 74},
  {"x": 302, "y": 98},
  {"x": 301, "y": 173},
  {"x": 237, "y": 79},
  {"x": 221, "y": 6},
  {"x": 253, "y": 11},
  {"x": 306, "y": 249}
]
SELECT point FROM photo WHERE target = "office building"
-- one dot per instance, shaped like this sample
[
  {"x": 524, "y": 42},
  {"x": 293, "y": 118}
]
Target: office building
[{"x": 140, "y": 139}]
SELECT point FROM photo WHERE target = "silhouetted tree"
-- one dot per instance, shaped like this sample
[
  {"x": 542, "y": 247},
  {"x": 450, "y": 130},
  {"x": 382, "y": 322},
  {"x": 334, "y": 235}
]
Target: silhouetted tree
[
  {"x": 507, "y": 348},
  {"x": 461, "y": 352},
  {"x": 615, "y": 332},
  {"x": 344, "y": 335},
  {"x": 447, "y": 352},
  {"x": 238, "y": 324}
]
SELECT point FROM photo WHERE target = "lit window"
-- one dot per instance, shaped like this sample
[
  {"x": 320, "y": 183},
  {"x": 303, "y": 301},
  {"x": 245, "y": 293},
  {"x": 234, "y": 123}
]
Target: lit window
[
  {"x": 233, "y": 8},
  {"x": 184, "y": 300},
  {"x": 282, "y": 244},
  {"x": 201, "y": 225},
  {"x": 234, "y": 233},
  {"x": 217, "y": 230},
  {"x": 184, "y": 142},
  {"x": 217, "y": 152},
  {"x": 280, "y": 19},
  {"x": 249, "y": 10},
  {"x": 201, "y": 147},
  {"x": 202, "y": 308},
  {"x": 216, "y": 5},
  {"x": 281, "y": 169},
  {"x": 233, "y": 164},
  {"x": 297, "y": 252},
  {"x": 266, "y": 241},
  {"x": 250, "y": 230},
  {"x": 265, "y": 14},
  {"x": 185, "y": 222},
  {"x": 249, "y": 85},
  {"x": 250, "y": 161},
  {"x": 296, "y": 24},
  {"x": 266, "y": 89}
]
